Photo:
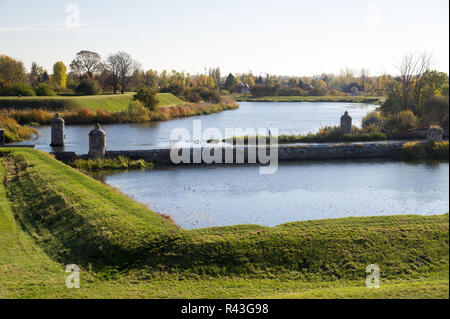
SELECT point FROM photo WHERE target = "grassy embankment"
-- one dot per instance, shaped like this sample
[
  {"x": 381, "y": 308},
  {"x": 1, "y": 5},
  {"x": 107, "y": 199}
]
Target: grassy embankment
[
  {"x": 108, "y": 102},
  {"x": 350, "y": 99},
  {"x": 52, "y": 215}
]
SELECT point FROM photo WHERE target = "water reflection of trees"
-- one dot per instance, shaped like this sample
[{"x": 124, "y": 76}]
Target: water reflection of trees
[{"x": 430, "y": 163}]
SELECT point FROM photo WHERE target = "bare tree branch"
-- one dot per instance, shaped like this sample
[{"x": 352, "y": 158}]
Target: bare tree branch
[
  {"x": 86, "y": 62},
  {"x": 412, "y": 68}
]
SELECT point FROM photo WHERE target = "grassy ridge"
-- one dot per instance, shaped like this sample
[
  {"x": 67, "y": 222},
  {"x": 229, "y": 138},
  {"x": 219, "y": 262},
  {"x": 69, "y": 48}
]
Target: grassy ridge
[
  {"x": 82, "y": 220},
  {"x": 350, "y": 99},
  {"x": 108, "y": 102},
  {"x": 130, "y": 115},
  {"x": 412, "y": 251},
  {"x": 168, "y": 99}
]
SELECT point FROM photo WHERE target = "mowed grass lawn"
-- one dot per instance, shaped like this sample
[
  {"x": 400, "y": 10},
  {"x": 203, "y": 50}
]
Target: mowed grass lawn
[
  {"x": 109, "y": 102},
  {"x": 52, "y": 215}
]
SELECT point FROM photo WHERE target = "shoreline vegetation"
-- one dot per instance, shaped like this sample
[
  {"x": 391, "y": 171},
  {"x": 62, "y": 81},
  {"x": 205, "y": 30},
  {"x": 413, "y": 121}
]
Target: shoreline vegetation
[
  {"x": 326, "y": 134},
  {"x": 329, "y": 98},
  {"x": 118, "y": 242},
  {"x": 117, "y": 163},
  {"x": 134, "y": 114},
  {"x": 429, "y": 150},
  {"x": 15, "y": 132}
]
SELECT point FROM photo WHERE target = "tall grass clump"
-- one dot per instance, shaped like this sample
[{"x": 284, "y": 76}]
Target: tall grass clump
[
  {"x": 44, "y": 90},
  {"x": 326, "y": 134},
  {"x": 15, "y": 132},
  {"x": 137, "y": 112},
  {"x": 429, "y": 150},
  {"x": 116, "y": 163}
]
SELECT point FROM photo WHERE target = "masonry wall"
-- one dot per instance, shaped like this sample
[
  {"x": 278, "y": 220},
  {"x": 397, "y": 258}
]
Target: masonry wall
[{"x": 285, "y": 152}]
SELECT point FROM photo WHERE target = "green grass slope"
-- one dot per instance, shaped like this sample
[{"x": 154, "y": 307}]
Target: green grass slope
[
  {"x": 168, "y": 99},
  {"x": 21, "y": 260},
  {"x": 76, "y": 218},
  {"x": 52, "y": 215},
  {"x": 109, "y": 102}
]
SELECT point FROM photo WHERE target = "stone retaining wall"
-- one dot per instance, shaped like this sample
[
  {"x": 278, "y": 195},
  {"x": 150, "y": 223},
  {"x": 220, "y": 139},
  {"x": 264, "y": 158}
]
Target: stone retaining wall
[{"x": 285, "y": 152}]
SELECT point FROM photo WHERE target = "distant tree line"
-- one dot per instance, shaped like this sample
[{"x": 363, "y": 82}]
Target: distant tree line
[
  {"x": 347, "y": 82},
  {"x": 418, "y": 90},
  {"x": 418, "y": 93},
  {"x": 89, "y": 74}
]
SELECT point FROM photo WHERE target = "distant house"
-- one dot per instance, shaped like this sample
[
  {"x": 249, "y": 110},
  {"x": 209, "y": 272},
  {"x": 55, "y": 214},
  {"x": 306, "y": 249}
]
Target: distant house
[
  {"x": 306, "y": 86},
  {"x": 243, "y": 88},
  {"x": 354, "y": 89}
]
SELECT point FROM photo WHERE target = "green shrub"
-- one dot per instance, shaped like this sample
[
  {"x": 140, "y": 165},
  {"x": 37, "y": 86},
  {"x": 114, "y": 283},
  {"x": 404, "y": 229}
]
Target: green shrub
[
  {"x": 439, "y": 150},
  {"x": 21, "y": 89},
  {"x": 372, "y": 119},
  {"x": 192, "y": 96},
  {"x": 88, "y": 87},
  {"x": 436, "y": 111},
  {"x": 429, "y": 150},
  {"x": 291, "y": 92},
  {"x": 148, "y": 97},
  {"x": 209, "y": 94},
  {"x": 138, "y": 111},
  {"x": 44, "y": 90},
  {"x": 414, "y": 150},
  {"x": 5, "y": 88},
  {"x": 402, "y": 121}
]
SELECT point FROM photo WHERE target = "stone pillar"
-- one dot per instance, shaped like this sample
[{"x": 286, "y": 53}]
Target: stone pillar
[
  {"x": 434, "y": 134},
  {"x": 2, "y": 137},
  {"x": 97, "y": 143},
  {"x": 58, "y": 134},
  {"x": 346, "y": 123}
]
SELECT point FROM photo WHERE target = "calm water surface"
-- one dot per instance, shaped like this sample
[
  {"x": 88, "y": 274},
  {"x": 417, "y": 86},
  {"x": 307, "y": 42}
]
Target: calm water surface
[
  {"x": 208, "y": 196},
  {"x": 289, "y": 118}
]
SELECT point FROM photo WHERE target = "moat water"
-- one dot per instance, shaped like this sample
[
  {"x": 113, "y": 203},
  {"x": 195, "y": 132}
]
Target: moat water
[{"x": 206, "y": 196}]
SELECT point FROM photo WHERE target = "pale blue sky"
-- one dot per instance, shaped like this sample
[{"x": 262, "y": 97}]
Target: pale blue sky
[{"x": 279, "y": 37}]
